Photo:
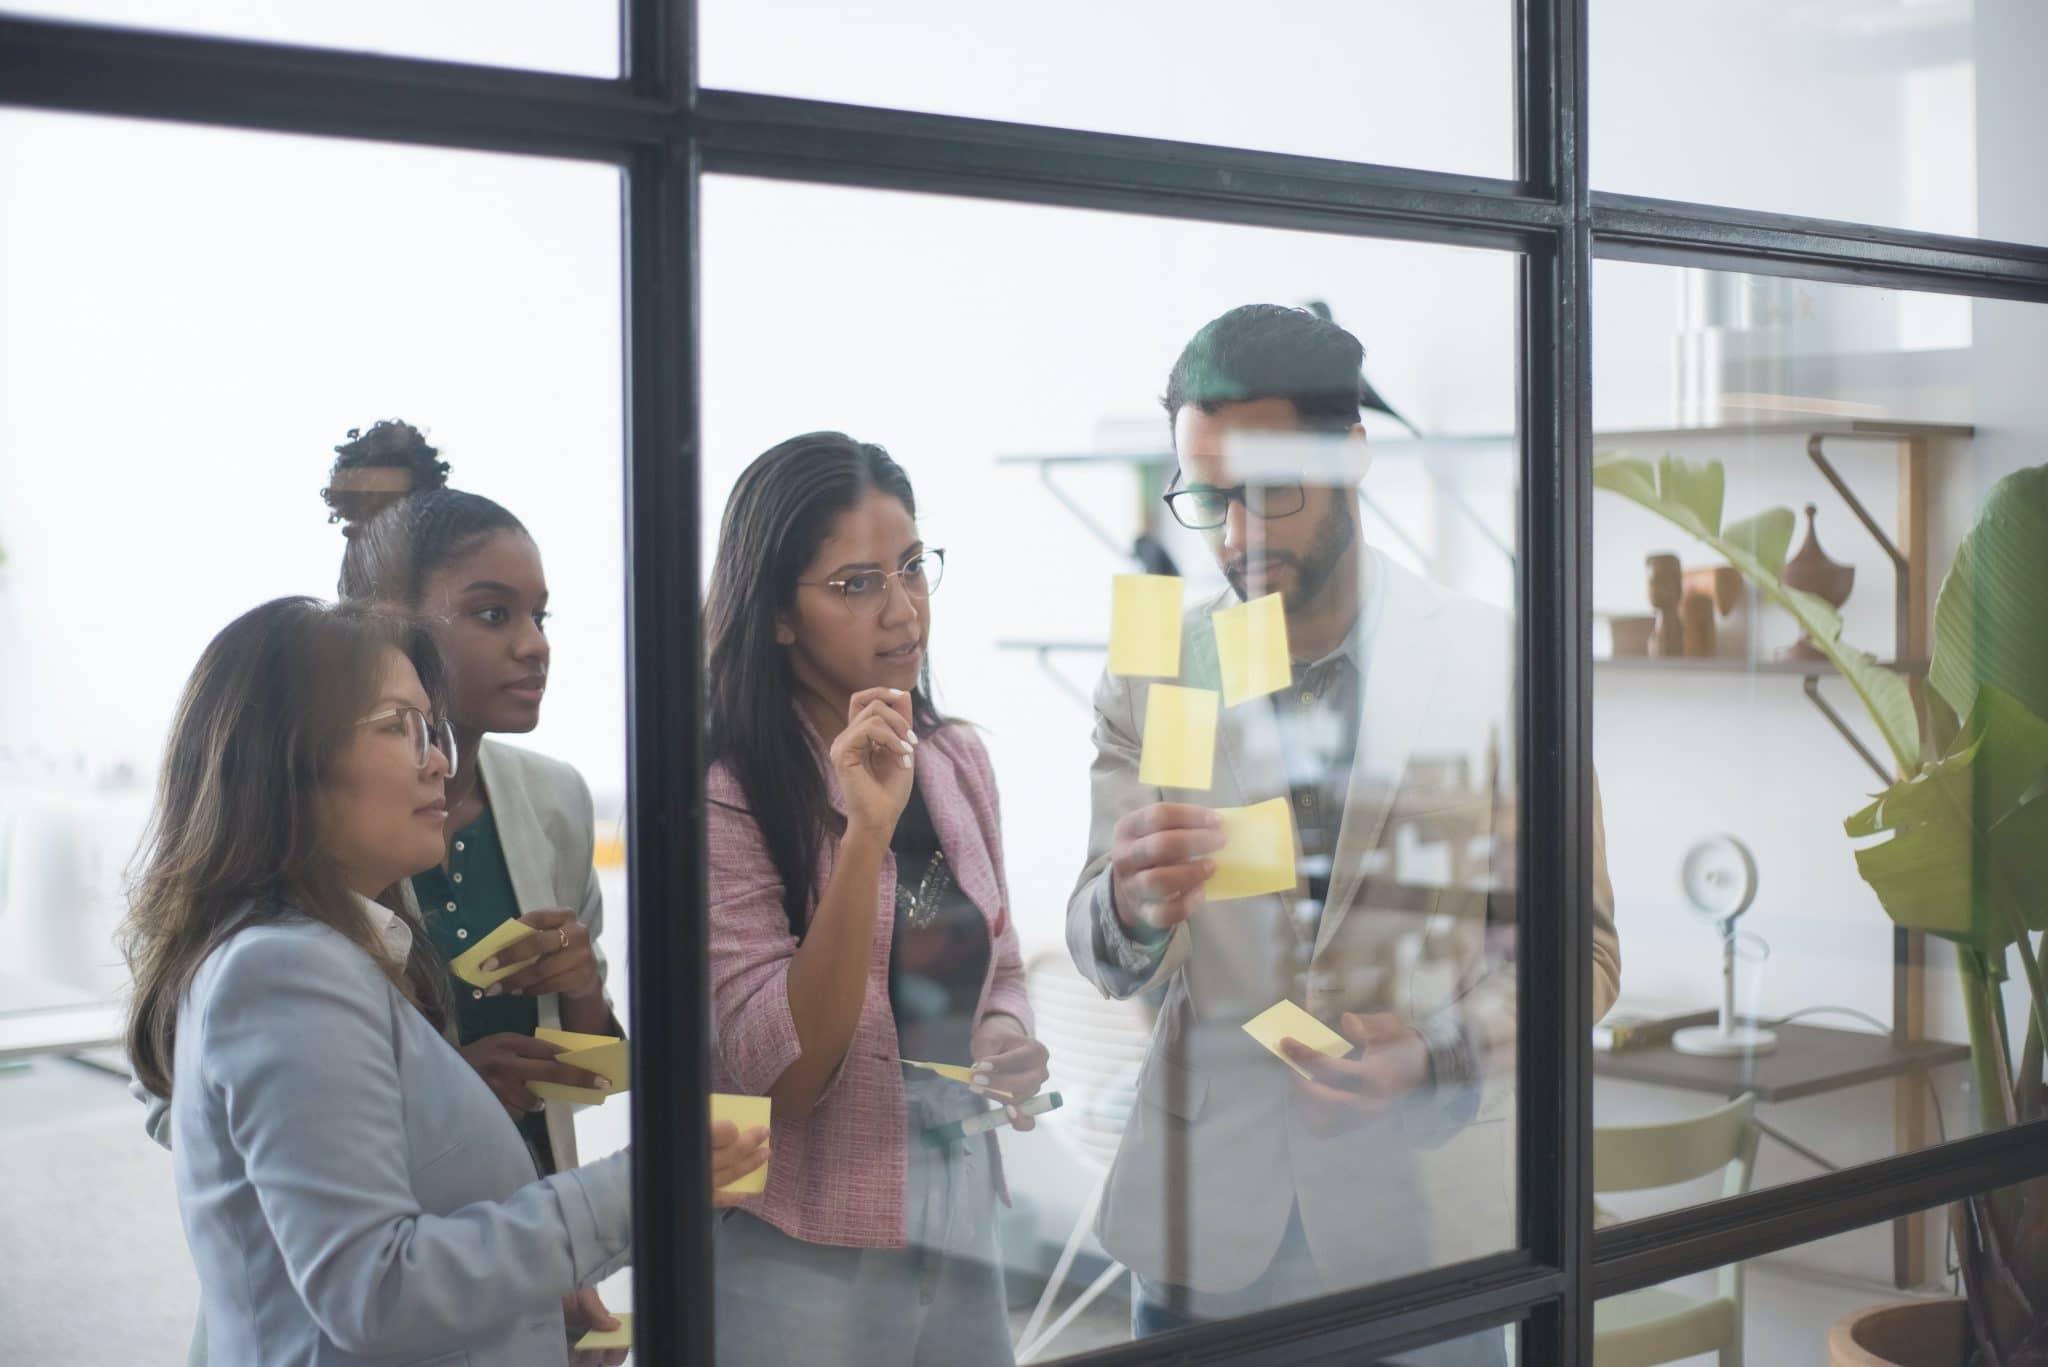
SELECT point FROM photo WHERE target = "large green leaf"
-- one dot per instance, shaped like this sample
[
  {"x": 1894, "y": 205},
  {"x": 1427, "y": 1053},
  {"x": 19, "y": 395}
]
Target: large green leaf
[
  {"x": 1968, "y": 855},
  {"x": 1991, "y": 620},
  {"x": 1690, "y": 498}
]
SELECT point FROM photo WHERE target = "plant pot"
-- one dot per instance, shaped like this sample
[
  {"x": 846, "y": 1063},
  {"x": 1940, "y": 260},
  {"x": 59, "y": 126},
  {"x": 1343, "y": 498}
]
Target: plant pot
[{"x": 1924, "y": 1333}]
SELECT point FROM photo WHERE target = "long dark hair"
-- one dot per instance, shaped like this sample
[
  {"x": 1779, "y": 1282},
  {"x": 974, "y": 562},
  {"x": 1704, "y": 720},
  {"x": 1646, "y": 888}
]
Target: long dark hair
[
  {"x": 780, "y": 512},
  {"x": 389, "y": 489},
  {"x": 234, "y": 839}
]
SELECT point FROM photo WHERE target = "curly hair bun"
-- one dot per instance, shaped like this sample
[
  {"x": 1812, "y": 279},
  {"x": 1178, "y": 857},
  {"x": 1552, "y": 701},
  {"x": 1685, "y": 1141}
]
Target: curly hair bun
[{"x": 373, "y": 470}]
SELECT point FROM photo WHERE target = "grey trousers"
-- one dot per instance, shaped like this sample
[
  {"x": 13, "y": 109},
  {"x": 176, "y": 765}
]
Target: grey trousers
[{"x": 936, "y": 1302}]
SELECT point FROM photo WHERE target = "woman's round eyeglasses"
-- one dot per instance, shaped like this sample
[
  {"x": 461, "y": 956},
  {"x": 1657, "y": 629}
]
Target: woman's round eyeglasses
[
  {"x": 866, "y": 590},
  {"x": 423, "y": 733}
]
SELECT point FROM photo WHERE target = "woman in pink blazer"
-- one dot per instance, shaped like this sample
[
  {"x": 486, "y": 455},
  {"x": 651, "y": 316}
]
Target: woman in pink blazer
[{"x": 859, "y": 919}]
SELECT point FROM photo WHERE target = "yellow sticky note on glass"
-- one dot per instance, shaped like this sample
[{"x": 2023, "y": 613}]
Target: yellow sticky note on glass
[
  {"x": 957, "y": 1072},
  {"x": 1258, "y": 853},
  {"x": 749, "y": 1113},
  {"x": 468, "y": 965},
  {"x": 605, "y": 1055},
  {"x": 1180, "y": 737},
  {"x": 1144, "y": 625},
  {"x": 1285, "y": 1020},
  {"x": 621, "y": 1337},
  {"x": 1251, "y": 649}
]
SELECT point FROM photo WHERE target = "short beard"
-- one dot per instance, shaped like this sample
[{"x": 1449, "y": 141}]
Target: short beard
[{"x": 1313, "y": 568}]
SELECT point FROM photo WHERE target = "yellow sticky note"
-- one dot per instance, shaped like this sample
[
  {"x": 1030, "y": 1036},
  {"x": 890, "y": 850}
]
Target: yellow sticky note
[
  {"x": 605, "y": 1055},
  {"x": 1285, "y": 1020},
  {"x": 621, "y": 1337},
  {"x": 958, "y": 1072},
  {"x": 1144, "y": 625},
  {"x": 1258, "y": 853},
  {"x": 1180, "y": 737},
  {"x": 468, "y": 965},
  {"x": 749, "y": 1113},
  {"x": 1251, "y": 649}
]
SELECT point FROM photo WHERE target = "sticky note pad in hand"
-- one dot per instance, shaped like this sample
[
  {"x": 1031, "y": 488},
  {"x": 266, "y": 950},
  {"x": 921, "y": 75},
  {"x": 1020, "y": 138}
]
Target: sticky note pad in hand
[
  {"x": 1180, "y": 737},
  {"x": 621, "y": 1337},
  {"x": 1144, "y": 625},
  {"x": 1285, "y": 1020},
  {"x": 1258, "y": 853},
  {"x": 605, "y": 1055},
  {"x": 468, "y": 965},
  {"x": 1251, "y": 649},
  {"x": 749, "y": 1113}
]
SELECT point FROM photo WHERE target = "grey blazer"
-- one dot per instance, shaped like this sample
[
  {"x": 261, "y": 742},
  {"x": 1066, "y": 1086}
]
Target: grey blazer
[
  {"x": 1213, "y": 1160},
  {"x": 547, "y": 830},
  {"x": 351, "y": 1190}
]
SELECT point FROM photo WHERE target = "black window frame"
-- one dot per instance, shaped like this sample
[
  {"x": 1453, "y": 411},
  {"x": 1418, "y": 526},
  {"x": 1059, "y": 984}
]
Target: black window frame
[{"x": 664, "y": 133}]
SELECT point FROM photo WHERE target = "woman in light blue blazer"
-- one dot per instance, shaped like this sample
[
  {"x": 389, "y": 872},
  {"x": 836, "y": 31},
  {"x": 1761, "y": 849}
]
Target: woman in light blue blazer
[{"x": 350, "y": 1188}]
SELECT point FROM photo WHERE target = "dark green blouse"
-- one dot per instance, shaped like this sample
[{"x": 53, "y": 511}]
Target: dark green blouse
[{"x": 461, "y": 904}]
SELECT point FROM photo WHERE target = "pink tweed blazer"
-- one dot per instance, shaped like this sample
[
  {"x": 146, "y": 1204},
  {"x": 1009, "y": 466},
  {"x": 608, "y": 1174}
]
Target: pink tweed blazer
[{"x": 838, "y": 1177}]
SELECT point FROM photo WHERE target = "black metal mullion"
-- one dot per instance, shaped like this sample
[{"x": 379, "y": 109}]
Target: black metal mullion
[
  {"x": 808, "y": 140},
  {"x": 263, "y": 86},
  {"x": 672, "y": 1271},
  {"x": 1666, "y": 232},
  {"x": 1700, "y": 1238},
  {"x": 1363, "y": 1325}
]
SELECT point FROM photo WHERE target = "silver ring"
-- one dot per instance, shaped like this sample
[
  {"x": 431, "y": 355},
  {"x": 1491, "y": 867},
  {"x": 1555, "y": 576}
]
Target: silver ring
[{"x": 563, "y": 932}]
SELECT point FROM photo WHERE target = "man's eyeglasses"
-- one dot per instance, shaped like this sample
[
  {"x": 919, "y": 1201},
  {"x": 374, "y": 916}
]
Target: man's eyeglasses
[
  {"x": 866, "y": 591},
  {"x": 423, "y": 733},
  {"x": 1203, "y": 507}
]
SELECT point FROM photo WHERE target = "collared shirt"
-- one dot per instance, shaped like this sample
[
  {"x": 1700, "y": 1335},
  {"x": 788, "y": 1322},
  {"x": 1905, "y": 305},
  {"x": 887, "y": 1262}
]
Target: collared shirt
[{"x": 389, "y": 927}]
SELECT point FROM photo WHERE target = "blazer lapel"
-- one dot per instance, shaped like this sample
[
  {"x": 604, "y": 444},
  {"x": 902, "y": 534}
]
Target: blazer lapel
[
  {"x": 1404, "y": 662},
  {"x": 519, "y": 832},
  {"x": 961, "y": 838}
]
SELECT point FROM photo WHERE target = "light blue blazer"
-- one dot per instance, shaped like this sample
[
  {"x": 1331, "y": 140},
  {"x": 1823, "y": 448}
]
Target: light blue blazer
[{"x": 351, "y": 1190}]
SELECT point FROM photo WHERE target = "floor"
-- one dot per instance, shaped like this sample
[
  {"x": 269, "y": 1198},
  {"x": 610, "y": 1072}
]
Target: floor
[{"x": 107, "y": 1282}]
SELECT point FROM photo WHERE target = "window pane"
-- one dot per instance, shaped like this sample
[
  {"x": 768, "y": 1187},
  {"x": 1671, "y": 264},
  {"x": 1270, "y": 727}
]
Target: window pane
[
  {"x": 1896, "y": 112},
  {"x": 1833, "y": 1300},
  {"x": 1429, "y": 86},
  {"x": 195, "y": 320},
  {"x": 575, "y": 37},
  {"x": 1023, "y": 405},
  {"x": 1730, "y": 790}
]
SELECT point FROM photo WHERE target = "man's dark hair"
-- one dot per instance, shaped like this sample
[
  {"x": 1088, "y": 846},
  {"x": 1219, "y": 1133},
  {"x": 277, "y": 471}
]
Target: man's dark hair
[{"x": 1270, "y": 351}]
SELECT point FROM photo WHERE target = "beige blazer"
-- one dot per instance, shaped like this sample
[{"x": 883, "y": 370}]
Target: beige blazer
[
  {"x": 547, "y": 828},
  {"x": 1213, "y": 1160}
]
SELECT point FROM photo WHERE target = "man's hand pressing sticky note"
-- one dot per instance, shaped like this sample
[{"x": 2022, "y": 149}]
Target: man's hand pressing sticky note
[
  {"x": 1258, "y": 853},
  {"x": 1180, "y": 737},
  {"x": 605, "y": 1055},
  {"x": 1144, "y": 625},
  {"x": 468, "y": 965},
  {"x": 746, "y": 1113},
  {"x": 1251, "y": 649},
  {"x": 1284, "y": 1020},
  {"x": 621, "y": 1337}
]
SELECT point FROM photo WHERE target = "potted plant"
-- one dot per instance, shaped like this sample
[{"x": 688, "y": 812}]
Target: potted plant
[{"x": 1958, "y": 848}]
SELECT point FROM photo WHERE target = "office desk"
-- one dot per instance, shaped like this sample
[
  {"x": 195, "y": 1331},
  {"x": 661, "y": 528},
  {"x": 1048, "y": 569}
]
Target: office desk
[{"x": 1809, "y": 1060}]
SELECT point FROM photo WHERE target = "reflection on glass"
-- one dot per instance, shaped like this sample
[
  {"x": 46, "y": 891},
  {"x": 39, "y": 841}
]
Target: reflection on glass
[
  {"x": 1828, "y": 1301},
  {"x": 1751, "y": 104},
  {"x": 1439, "y": 94},
  {"x": 1819, "y": 536},
  {"x": 349, "y": 953},
  {"x": 1259, "y": 967}
]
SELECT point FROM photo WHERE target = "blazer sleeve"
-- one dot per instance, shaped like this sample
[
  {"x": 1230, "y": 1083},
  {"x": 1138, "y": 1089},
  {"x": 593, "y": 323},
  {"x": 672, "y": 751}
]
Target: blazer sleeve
[
  {"x": 1105, "y": 956},
  {"x": 751, "y": 947},
  {"x": 297, "y": 1041},
  {"x": 156, "y": 1113},
  {"x": 590, "y": 908}
]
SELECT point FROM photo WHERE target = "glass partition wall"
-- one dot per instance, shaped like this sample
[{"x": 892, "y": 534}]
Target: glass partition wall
[{"x": 1244, "y": 794}]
